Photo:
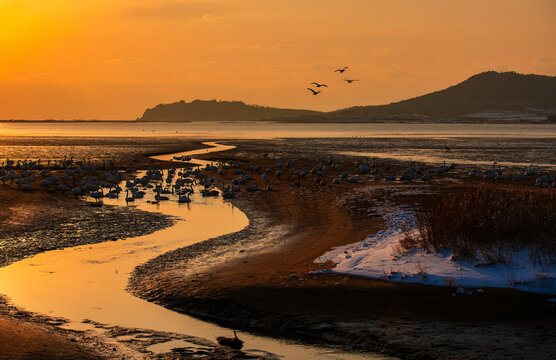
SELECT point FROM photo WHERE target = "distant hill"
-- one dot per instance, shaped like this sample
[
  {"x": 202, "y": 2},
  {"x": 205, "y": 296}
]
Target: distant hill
[
  {"x": 486, "y": 92},
  {"x": 212, "y": 110},
  {"x": 487, "y": 95}
]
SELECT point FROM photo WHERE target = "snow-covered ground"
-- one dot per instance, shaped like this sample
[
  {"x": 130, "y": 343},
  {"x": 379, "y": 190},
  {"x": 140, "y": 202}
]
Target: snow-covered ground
[{"x": 376, "y": 257}]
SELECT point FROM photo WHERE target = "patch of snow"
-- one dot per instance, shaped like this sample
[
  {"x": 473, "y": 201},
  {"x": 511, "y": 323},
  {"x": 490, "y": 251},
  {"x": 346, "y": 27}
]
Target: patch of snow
[{"x": 375, "y": 257}]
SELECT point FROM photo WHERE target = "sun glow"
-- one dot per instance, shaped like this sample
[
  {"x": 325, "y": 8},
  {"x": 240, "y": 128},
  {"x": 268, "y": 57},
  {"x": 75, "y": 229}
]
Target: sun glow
[{"x": 111, "y": 60}]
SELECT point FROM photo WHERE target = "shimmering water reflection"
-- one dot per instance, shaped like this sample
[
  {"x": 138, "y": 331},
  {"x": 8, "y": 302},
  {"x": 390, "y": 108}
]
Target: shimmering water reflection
[
  {"x": 269, "y": 130},
  {"x": 89, "y": 282}
]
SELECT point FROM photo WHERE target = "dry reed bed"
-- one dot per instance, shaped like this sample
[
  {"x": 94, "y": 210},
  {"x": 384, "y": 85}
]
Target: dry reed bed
[{"x": 489, "y": 224}]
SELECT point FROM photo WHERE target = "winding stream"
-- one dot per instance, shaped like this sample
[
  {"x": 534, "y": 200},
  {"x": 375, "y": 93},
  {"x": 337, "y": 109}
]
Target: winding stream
[{"x": 89, "y": 282}]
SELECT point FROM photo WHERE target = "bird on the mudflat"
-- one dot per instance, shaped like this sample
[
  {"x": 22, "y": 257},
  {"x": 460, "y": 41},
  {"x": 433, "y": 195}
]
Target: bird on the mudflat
[
  {"x": 319, "y": 85},
  {"x": 341, "y": 70},
  {"x": 349, "y": 81},
  {"x": 234, "y": 343},
  {"x": 313, "y": 91}
]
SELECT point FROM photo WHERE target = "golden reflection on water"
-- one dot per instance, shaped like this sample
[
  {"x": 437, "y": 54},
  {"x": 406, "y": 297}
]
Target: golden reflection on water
[
  {"x": 270, "y": 130},
  {"x": 213, "y": 147},
  {"x": 89, "y": 282}
]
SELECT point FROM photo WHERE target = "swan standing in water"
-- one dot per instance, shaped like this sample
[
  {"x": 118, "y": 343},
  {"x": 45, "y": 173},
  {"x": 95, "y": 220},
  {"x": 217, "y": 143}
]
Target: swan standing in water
[
  {"x": 128, "y": 198},
  {"x": 184, "y": 199}
]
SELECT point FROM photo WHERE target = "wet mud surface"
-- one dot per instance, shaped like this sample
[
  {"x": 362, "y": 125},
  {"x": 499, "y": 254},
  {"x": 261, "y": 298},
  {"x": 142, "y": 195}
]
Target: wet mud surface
[
  {"x": 32, "y": 336},
  {"x": 26, "y": 335},
  {"x": 44, "y": 220},
  {"x": 123, "y": 151},
  {"x": 35, "y": 223},
  {"x": 275, "y": 292},
  {"x": 221, "y": 280}
]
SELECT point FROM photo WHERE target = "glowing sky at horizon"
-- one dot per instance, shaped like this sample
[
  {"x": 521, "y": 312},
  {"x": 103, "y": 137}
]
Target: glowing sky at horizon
[{"x": 112, "y": 59}]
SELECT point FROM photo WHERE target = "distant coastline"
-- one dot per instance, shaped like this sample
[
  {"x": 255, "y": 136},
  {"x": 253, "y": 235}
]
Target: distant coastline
[
  {"x": 489, "y": 97},
  {"x": 63, "y": 121},
  {"x": 546, "y": 121}
]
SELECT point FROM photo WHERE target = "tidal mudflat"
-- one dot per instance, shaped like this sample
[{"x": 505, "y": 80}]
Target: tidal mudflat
[
  {"x": 83, "y": 287},
  {"x": 271, "y": 257}
]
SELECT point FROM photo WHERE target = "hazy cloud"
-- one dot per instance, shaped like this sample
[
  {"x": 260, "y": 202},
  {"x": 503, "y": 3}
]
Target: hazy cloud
[
  {"x": 125, "y": 60},
  {"x": 207, "y": 10},
  {"x": 545, "y": 65},
  {"x": 261, "y": 47},
  {"x": 286, "y": 47},
  {"x": 28, "y": 72},
  {"x": 211, "y": 17},
  {"x": 546, "y": 60}
]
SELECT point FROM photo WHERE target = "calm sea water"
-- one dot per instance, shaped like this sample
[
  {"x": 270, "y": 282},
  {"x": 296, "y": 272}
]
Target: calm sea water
[
  {"x": 266, "y": 130},
  {"x": 513, "y": 146}
]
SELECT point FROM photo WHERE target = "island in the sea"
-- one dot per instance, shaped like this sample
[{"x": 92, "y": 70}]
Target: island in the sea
[{"x": 489, "y": 96}]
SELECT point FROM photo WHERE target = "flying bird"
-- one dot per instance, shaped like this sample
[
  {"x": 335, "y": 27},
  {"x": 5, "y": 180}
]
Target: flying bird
[
  {"x": 341, "y": 70},
  {"x": 349, "y": 81},
  {"x": 313, "y": 91},
  {"x": 319, "y": 85}
]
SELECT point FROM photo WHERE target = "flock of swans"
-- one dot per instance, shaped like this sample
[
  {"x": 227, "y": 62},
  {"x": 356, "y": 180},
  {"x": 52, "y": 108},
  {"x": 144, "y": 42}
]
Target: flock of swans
[{"x": 98, "y": 181}]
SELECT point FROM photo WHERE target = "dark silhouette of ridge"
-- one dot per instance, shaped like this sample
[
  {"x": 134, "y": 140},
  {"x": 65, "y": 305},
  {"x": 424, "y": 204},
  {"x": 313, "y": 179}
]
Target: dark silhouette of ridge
[
  {"x": 213, "y": 110},
  {"x": 488, "y": 91}
]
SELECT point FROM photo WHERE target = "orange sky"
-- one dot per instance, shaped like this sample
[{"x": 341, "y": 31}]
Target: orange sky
[{"x": 111, "y": 59}]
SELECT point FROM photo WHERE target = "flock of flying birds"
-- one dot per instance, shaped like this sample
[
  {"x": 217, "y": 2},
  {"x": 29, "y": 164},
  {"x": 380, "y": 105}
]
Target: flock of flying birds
[{"x": 341, "y": 71}]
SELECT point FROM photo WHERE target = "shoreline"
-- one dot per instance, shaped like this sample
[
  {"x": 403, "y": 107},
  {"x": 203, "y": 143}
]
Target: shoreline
[
  {"x": 43, "y": 214},
  {"x": 404, "y": 320},
  {"x": 207, "y": 348},
  {"x": 40, "y": 221},
  {"x": 456, "y": 121},
  {"x": 370, "y": 315},
  {"x": 90, "y": 225},
  {"x": 28, "y": 335}
]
